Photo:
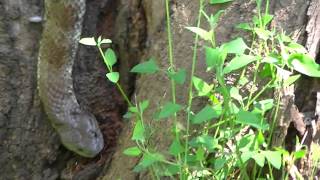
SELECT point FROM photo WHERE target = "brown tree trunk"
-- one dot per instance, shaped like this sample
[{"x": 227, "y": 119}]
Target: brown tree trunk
[{"x": 30, "y": 148}]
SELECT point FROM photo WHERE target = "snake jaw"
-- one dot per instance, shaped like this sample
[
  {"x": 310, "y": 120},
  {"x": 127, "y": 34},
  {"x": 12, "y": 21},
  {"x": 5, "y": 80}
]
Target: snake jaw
[{"x": 82, "y": 138}]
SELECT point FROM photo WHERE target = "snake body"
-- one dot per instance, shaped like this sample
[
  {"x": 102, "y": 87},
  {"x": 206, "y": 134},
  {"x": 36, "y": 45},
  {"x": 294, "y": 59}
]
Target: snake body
[{"x": 78, "y": 129}]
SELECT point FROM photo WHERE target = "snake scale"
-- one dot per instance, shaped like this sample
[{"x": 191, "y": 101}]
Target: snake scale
[{"x": 77, "y": 128}]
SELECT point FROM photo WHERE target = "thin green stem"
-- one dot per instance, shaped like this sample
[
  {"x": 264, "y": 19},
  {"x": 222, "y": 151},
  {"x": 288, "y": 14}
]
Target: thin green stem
[
  {"x": 173, "y": 84},
  {"x": 265, "y": 87},
  {"x": 170, "y": 51},
  {"x": 118, "y": 85},
  {"x": 274, "y": 119},
  {"x": 194, "y": 59},
  {"x": 124, "y": 95}
]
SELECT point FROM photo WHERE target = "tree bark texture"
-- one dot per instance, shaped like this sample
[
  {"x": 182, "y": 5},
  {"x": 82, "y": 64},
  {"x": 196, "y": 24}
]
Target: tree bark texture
[{"x": 30, "y": 148}]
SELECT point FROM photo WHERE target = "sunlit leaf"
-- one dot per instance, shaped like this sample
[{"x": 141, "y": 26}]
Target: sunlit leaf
[
  {"x": 266, "y": 19},
  {"x": 132, "y": 151},
  {"x": 106, "y": 41},
  {"x": 304, "y": 64},
  {"x": 201, "y": 86},
  {"x": 237, "y": 46},
  {"x": 205, "y": 35},
  {"x": 262, "y": 33},
  {"x": 88, "y": 41},
  {"x": 113, "y": 77},
  {"x": 291, "y": 80},
  {"x": 259, "y": 158},
  {"x": 274, "y": 157}
]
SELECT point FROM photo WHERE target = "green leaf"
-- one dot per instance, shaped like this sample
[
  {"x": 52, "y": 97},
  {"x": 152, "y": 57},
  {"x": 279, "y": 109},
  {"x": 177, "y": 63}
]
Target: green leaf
[
  {"x": 237, "y": 46},
  {"x": 247, "y": 142},
  {"x": 215, "y": 18},
  {"x": 144, "y": 105},
  {"x": 274, "y": 157},
  {"x": 213, "y": 58},
  {"x": 106, "y": 41},
  {"x": 207, "y": 141},
  {"x": 244, "y": 26},
  {"x": 234, "y": 93},
  {"x": 262, "y": 33},
  {"x": 284, "y": 38},
  {"x": 299, "y": 154},
  {"x": 270, "y": 60},
  {"x": 205, "y": 35},
  {"x": 147, "y": 160},
  {"x": 113, "y": 76},
  {"x": 233, "y": 108},
  {"x": 243, "y": 80},
  {"x": 110, "y": 57},
  {"x": 219, "y": 163},
  {"x": 291, "y": 80},
  {"x": 179, "y": 77},
  {"x": 298, "y": 48},
  {"x": 133, "y": 109},
  {"x": 266, "y": 19},
  {"x": 176, "y": 148},
  {"x": 148, "y": 67},
  {"x": 138, "y": 132},
  {"x": 260, "y": 138},
  {"x": 170, "y": 170},
  {"x": 88, "y": 41},
  {"x": 206, "y": 114},
  {"x": 219, "y": 1},
  {"x": 259, "y": 158},
  {"x": 245, "y": 156},
  {"x": 238, "y": 62},
  {"x": 168, "y": 110},
  {"x": 132, "y": 151},
  {"x": 264, "y": 105},
  {"x": 200, "y": 154},
  {"x": 201, "y": 86},
  {"x": 249, "y": 118},
  {"x": 304, "y": 64}
]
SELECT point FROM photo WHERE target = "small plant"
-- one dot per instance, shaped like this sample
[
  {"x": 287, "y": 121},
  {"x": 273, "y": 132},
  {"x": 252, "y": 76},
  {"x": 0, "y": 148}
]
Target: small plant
[{"x": 233, "y": 130}]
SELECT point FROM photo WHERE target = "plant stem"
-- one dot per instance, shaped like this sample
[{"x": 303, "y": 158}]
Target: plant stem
[
  {"x": 170, "y": 50},
  {"x": 194, "y": 59},
  {"x": 173, "y": 84},
  {"x": 118, "y": 85}
]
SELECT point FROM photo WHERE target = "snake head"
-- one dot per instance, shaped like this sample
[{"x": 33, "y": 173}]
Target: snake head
[{"x": 82, "y": 134}]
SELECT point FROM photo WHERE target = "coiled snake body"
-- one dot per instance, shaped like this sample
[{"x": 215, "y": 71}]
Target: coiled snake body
[{"x": 78, "y": 129}]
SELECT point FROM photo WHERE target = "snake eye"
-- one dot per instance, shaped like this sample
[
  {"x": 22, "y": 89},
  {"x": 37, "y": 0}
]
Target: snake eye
[{"x": 94, "y": 134}]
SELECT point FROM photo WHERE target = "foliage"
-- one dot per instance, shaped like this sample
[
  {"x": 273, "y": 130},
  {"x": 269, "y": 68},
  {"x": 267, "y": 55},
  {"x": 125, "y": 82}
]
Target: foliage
[{"x": 219, "y": 149}]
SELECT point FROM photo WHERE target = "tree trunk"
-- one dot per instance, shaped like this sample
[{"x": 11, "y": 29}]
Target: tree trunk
[{"x": 31, "y": 149}]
